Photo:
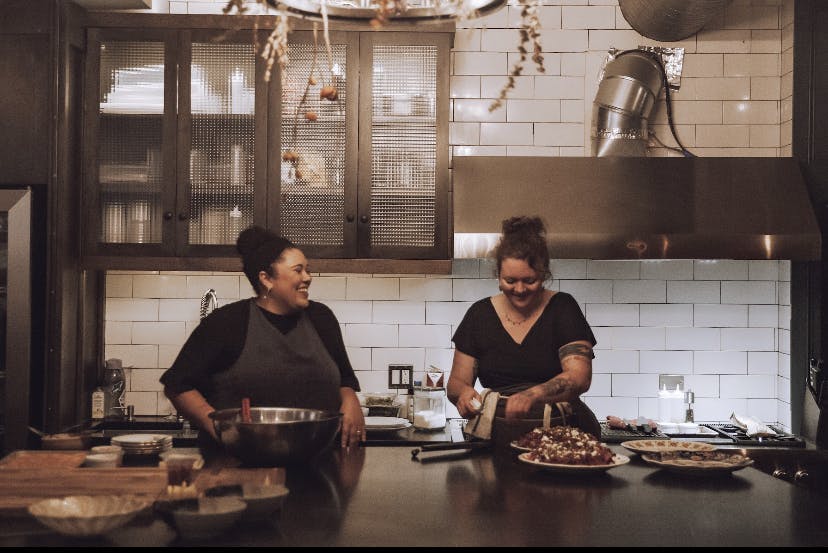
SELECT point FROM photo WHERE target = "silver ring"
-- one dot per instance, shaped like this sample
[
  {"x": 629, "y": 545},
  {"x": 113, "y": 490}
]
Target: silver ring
[{"x": 359, "y": 431}]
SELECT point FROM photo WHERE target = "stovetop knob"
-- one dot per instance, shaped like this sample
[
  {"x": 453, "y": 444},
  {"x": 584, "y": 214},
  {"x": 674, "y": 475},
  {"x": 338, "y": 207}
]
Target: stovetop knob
[
  {"x": 801, "y": 475},
  {"x": 780, "y": 473}
]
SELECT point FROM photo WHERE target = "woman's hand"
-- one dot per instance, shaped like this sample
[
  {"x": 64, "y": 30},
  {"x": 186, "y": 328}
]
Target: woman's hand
[
  {"x": 353, "y": 423},
  {"x": 469, "y": 403},
  {"x": 519, "y": 404}
]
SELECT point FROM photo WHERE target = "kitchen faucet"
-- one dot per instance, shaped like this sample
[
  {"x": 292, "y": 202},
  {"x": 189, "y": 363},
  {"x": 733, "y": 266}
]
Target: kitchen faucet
[{"x": 209, "y": 302}]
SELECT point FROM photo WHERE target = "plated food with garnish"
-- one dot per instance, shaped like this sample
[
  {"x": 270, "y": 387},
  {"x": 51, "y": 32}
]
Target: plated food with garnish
[
  {"x": 565, "y": 448},
  {"x": 658, "y": 446},
  {"x": 698, "y": 462}
]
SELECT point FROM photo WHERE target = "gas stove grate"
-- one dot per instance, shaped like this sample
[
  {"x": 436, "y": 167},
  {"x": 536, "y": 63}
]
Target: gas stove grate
[
  {"x": 740, "y": 437},
  {"x": 616, "y": 436}
]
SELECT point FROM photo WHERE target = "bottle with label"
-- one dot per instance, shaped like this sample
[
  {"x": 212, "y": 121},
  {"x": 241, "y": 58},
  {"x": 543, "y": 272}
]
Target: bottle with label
[
  {"x": 114, "y": 385},
  {"x": 98, "y": 403}
]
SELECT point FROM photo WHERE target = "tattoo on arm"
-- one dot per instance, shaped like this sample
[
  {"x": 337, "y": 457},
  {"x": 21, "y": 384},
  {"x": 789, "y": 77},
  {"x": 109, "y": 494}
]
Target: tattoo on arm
[
  {"x": 580, "y": 350},
  {"x": 559, "y": 386}
]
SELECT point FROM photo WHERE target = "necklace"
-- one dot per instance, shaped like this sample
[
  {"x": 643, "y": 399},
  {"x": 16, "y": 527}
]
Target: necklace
[{"x": 514, "y": 322}]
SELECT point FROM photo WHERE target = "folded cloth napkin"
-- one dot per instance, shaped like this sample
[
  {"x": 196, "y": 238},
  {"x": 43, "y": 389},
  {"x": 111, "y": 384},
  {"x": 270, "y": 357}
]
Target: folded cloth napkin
[
  {"x": 752, "y": 426},
  {"x": 480, "y": 425}
]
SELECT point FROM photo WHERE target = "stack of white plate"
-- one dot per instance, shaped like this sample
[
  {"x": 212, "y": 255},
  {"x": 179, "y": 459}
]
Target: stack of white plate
[
  {"x": 143, "y": 444},
  {"x": 386, "y": 423}
]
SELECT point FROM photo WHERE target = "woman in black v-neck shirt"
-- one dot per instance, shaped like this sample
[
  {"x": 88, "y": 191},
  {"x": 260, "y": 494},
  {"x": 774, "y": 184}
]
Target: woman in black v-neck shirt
[{"x": 527, "y": 342}]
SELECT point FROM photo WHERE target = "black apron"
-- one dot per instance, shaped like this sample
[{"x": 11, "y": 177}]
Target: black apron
[{"x": 279, "y": 370}]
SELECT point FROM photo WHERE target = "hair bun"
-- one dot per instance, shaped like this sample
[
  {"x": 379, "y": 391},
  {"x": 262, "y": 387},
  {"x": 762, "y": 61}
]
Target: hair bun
[
  {"x": 524, "y": 226},
  {"x": 251, "y": 238}
]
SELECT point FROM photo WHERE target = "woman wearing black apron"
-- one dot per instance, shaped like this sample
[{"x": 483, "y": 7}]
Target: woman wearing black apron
[
  {"x": 530, "y": 344},
  {"x": 278, "y": 348}
]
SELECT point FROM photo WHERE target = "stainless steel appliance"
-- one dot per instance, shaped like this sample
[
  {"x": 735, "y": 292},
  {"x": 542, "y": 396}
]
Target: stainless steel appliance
[{"x": 15, "y": 316}]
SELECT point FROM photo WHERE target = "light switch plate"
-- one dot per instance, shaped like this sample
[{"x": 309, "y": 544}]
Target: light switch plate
[{"x": 400, "y": 376}]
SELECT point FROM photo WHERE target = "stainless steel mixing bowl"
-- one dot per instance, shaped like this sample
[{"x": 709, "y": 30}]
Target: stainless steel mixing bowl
[{"x": 276, "y": 436}]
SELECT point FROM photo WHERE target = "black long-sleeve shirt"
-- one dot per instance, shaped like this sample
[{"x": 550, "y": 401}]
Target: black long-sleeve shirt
[{"x": 218, "y": 340}]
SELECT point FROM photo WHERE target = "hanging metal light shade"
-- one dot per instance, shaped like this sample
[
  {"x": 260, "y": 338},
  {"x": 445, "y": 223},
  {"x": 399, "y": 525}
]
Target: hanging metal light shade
[{"x": 402, "y": 10}]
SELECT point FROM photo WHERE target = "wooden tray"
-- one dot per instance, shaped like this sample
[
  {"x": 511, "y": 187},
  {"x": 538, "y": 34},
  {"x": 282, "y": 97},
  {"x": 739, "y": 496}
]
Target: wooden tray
[{"x": 43, "y": 459}]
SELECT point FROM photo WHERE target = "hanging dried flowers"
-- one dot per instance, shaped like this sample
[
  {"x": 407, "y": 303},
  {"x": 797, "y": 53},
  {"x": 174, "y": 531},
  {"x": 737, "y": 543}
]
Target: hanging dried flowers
[{"x": 529, "y": 32}]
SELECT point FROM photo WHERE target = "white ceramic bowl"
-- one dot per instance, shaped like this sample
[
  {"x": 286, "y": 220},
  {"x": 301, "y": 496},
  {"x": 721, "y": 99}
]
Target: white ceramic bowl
[
  {"x": 263, "y": 501},
  {"x": 213, "y": 517},
  {"x": 108, "y": 449},
  {"x": 83, "y": 515},
  {"x": 103, "y": 460}
]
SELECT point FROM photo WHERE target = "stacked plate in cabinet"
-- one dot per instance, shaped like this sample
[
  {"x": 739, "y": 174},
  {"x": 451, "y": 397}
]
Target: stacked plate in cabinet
[{"x": 143, "y": 444}]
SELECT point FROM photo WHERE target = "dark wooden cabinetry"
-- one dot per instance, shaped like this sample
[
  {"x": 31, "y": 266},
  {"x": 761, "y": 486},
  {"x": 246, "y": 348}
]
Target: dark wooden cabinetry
[{"x": 186, "y": 138}]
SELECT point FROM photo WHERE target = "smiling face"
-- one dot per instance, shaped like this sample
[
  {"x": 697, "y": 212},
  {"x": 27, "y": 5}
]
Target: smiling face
[
  {"x": 521, "y": 284},
  {"x": 287, "y": 289}
]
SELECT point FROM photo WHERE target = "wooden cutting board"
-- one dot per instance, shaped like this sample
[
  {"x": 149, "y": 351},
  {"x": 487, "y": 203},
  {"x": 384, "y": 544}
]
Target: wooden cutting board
[{"x": 29, "y": 476}]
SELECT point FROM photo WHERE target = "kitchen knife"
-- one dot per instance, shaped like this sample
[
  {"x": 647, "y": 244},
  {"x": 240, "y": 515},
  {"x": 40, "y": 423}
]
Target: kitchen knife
[{"x": 481, "y": 444}]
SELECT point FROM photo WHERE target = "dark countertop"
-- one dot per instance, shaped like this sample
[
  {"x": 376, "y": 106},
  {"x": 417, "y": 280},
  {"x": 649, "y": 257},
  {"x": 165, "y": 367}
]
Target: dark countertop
[{"x": 378, "y": 496}]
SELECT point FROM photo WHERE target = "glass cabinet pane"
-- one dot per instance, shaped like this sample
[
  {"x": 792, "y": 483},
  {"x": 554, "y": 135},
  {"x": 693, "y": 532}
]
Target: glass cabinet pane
[
  {"x": 222, "y": 145},
  {"x": 403, "y": 145},
  {"x": 311, "y": 210},
  {"x": 129, "y": 141}
]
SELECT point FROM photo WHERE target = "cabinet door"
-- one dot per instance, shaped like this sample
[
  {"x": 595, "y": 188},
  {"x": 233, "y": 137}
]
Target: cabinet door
[
  {"x": 221, "y": 139},
  {"x": 313, "y": 200},
  {"x": 403, "y": 154},
  {"x": 130, "y": 142}
]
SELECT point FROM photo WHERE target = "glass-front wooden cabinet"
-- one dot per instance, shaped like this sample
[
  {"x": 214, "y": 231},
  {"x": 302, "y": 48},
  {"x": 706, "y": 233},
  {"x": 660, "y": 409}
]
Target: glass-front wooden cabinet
[{"x": 188, "y": 143}]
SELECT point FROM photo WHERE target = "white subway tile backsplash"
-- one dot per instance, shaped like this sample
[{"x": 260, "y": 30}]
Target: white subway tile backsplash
[
  {"x": 763, "y": 362},
  {"x": 763, "y": 409},
  {"x": 167, "y": 355},
  {"x": 118, "y": 286},
  {"x": 473, "y": 110},
  {"x": 568, "y": 40},
  {"x": 588, "y": 17},
  {"x": 715, "y": 409},
  {"x": 439, "y": 357},
  {"x": 720, "y": 362},
  {"x": 367, "y": 288},
  {"x": 749, "y": 339},
  {"x": 639, "y": 291},
  {"x": 399, "y": 312},
  {"x": 634, "y": 385},
  {"x": 351, "y": 311},
  {"x": 702, "y": 385},
  {"x": 764, "y": 315},
  {"x": 749, "y": 292},
  {"x": 382, "y": 357},
  {"x": 328, "y": 288},
  {"x": 168, "y": 333},
  {"x": 667, "y": 269},
  {"x": 716, "y": 41},
  {"x": 451, "y": 313},
  {"x": 599, "y": 314},
  {"x": 588, "y": 291},
  {"x": 117, "y": 309},
  {"x": 748, "y": 386},
  {"x": 676, "y": 314},
  {"x": 118, "y": 332},
  {"x": 615, "y": 361},
  {"x": 473, "y": 289},
  {"x": 178, "y": 310},
  {"x": 568, "y": 268},
  {"x": 465, "y": 86},
  {"x": 480, "y": 63},
  {"x": 716, "y": 315},
  {"x": 693, "y": 338},
  {"x": 360, "y": 358},
  {"x": 530, "y": 111},
  {"x": 500, "y": 40},
  {"x": 601, "y": 385},
  {"x": 425, "y": 336},
  {"x": 510, "y": 134},
  {"x": 783, "y": 343},
  {"x": 228, "y": 287},
  {"x": 427, "y": 289},
  {"x": 783, "y": 389},
  {"x": 144, "y": 380},
  {"x": 464, "y": 133},
  {"x": 681, "y": 291},
  {"x": 133, "y": 355},
  {"x": 638, "y": 338},
  {"x": 555, "y": 87},
  {"x": 613, "y": 269},
  {"x": 371, "y": 335},
  {"x": 666, "y": 362}
]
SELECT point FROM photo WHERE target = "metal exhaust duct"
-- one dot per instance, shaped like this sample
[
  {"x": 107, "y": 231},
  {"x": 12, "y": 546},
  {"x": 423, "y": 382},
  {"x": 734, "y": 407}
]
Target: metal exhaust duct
[
  {"x": 669, "y": 20},
  {"x": 626, "y": 95}
]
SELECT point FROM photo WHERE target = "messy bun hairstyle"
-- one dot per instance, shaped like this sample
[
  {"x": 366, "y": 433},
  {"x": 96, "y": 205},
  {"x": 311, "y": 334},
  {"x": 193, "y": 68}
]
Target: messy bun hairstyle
[
  {"x": 259, "y": 248},
  {"x": 524, "y": 238}
]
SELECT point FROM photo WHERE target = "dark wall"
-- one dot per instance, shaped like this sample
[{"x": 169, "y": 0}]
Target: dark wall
[{"x": 809, "y": 285}]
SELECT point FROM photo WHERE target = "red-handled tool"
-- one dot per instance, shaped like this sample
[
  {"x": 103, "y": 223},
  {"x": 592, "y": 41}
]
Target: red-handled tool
[{"x": 245, "y": 410}]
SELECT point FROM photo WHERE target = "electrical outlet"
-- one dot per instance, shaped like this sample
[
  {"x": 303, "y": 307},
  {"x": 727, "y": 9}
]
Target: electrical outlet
[{"x": 399, "y": 376}]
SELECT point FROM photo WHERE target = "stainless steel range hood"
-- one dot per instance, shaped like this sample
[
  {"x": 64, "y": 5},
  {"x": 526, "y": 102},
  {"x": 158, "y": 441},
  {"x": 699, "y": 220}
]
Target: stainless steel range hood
[{"x": 640, "y": 208}]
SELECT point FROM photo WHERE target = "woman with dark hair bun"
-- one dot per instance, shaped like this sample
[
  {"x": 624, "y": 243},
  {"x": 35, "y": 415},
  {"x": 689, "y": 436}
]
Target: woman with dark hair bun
[
  {"x": 279, "y": 348},
  {"x": 530, "y": 344}
]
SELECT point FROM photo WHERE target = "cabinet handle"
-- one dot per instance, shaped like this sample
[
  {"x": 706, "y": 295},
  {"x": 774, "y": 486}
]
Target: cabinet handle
[
  {"x": 363, "y": 219},
  {"x": 182, "y": 216},
  {"x": 349, "y": 218},
  {"x": 168, "y": 215}
]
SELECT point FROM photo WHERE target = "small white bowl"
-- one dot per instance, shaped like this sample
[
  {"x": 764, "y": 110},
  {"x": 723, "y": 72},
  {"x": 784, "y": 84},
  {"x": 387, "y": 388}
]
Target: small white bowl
[
  {"x": 214, "y": 516},
  {"x": 668, "y": 427},
  {"x": 688, "y": 428},
  {"x": 108, "y": 449},
  {"x": 84, "y": 515},
  {"x": 103, "y": 460},
  {"x": 263, "y": 501}
]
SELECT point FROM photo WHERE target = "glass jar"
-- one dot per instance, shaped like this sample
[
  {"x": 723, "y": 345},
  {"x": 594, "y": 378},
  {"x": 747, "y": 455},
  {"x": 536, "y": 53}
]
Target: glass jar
[{"x": 430, "y": 408}]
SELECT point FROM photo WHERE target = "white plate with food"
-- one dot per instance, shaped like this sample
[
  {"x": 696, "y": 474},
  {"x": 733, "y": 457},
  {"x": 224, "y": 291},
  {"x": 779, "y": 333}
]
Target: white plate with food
[
  {"x": 657, "y": 446},
  {"x": 617, "y": 461},
  {"x": 386, "y": 423},
  {"x": 698, "y": 462},
  {"x": 517, "y": 446}
]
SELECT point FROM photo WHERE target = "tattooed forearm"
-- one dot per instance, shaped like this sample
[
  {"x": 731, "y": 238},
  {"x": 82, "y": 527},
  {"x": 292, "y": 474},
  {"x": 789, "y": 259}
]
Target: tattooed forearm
[
  {"x": 581, "y": 350},
  {"x": 558, "y": 388}
]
